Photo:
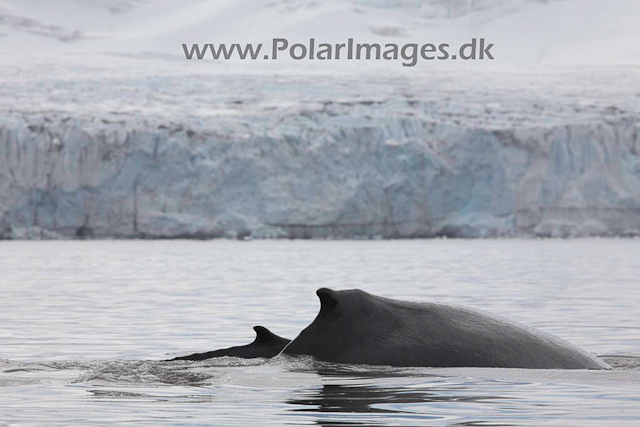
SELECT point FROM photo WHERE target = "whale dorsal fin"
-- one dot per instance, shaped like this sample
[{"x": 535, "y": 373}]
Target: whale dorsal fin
[
  {"x": 328, "y": 298},
  {"x": 263, "y": 335}
]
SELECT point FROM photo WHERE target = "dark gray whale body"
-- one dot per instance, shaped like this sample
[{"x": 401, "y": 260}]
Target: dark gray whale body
[
  {"x": 267, "y": 345},
  {"x": 356, "y": 327}
]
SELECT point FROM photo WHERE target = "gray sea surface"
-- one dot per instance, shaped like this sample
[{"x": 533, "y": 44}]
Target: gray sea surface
[{"x": 85, "y": 325}]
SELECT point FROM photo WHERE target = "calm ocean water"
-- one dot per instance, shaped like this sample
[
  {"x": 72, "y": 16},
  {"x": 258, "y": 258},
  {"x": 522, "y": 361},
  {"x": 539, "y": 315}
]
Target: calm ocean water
[{"x": 84, "y": 325}]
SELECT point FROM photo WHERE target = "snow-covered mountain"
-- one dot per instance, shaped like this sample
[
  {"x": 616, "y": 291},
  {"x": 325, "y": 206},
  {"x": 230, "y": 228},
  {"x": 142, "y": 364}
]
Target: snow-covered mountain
[
  {"x": 107, "y": 130},
  {"x": 523, "y": 31}
]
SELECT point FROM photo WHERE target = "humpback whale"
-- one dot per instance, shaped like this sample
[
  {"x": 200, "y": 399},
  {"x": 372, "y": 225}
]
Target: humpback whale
[
  {"x": 356, "y": 327},
  {"x": 266, "y": 344}
]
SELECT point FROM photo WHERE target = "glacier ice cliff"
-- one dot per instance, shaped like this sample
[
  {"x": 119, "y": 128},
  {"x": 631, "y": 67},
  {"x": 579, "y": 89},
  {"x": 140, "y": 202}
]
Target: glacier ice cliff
[
  {"x": 295, "y": 157},
  {"x": 323, "y": 176}
]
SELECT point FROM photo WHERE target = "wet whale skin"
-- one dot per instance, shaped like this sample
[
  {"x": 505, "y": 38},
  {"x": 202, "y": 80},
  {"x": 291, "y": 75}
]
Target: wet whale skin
[
  {"x": 354, "y": 326},
  {"x": 266, "y": 344}
]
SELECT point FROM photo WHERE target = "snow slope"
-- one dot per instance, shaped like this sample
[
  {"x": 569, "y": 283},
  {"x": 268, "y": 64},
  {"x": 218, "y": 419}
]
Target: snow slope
[{"x": 524, "y": 31}]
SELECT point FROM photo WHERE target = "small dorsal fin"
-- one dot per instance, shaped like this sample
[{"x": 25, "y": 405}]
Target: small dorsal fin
[
  {"x": 263, "y": 335},
  {"x": 328, "y": 298}
]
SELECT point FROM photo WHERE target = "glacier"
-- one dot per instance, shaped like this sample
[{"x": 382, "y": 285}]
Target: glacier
[{"x": 242, "y": 156}]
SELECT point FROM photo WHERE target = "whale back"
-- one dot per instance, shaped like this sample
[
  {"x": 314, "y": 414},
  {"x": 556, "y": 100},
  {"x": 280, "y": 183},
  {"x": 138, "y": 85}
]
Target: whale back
[
  {"x": 266, "y": 344},
  {"x": 354, "y": 326}
]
